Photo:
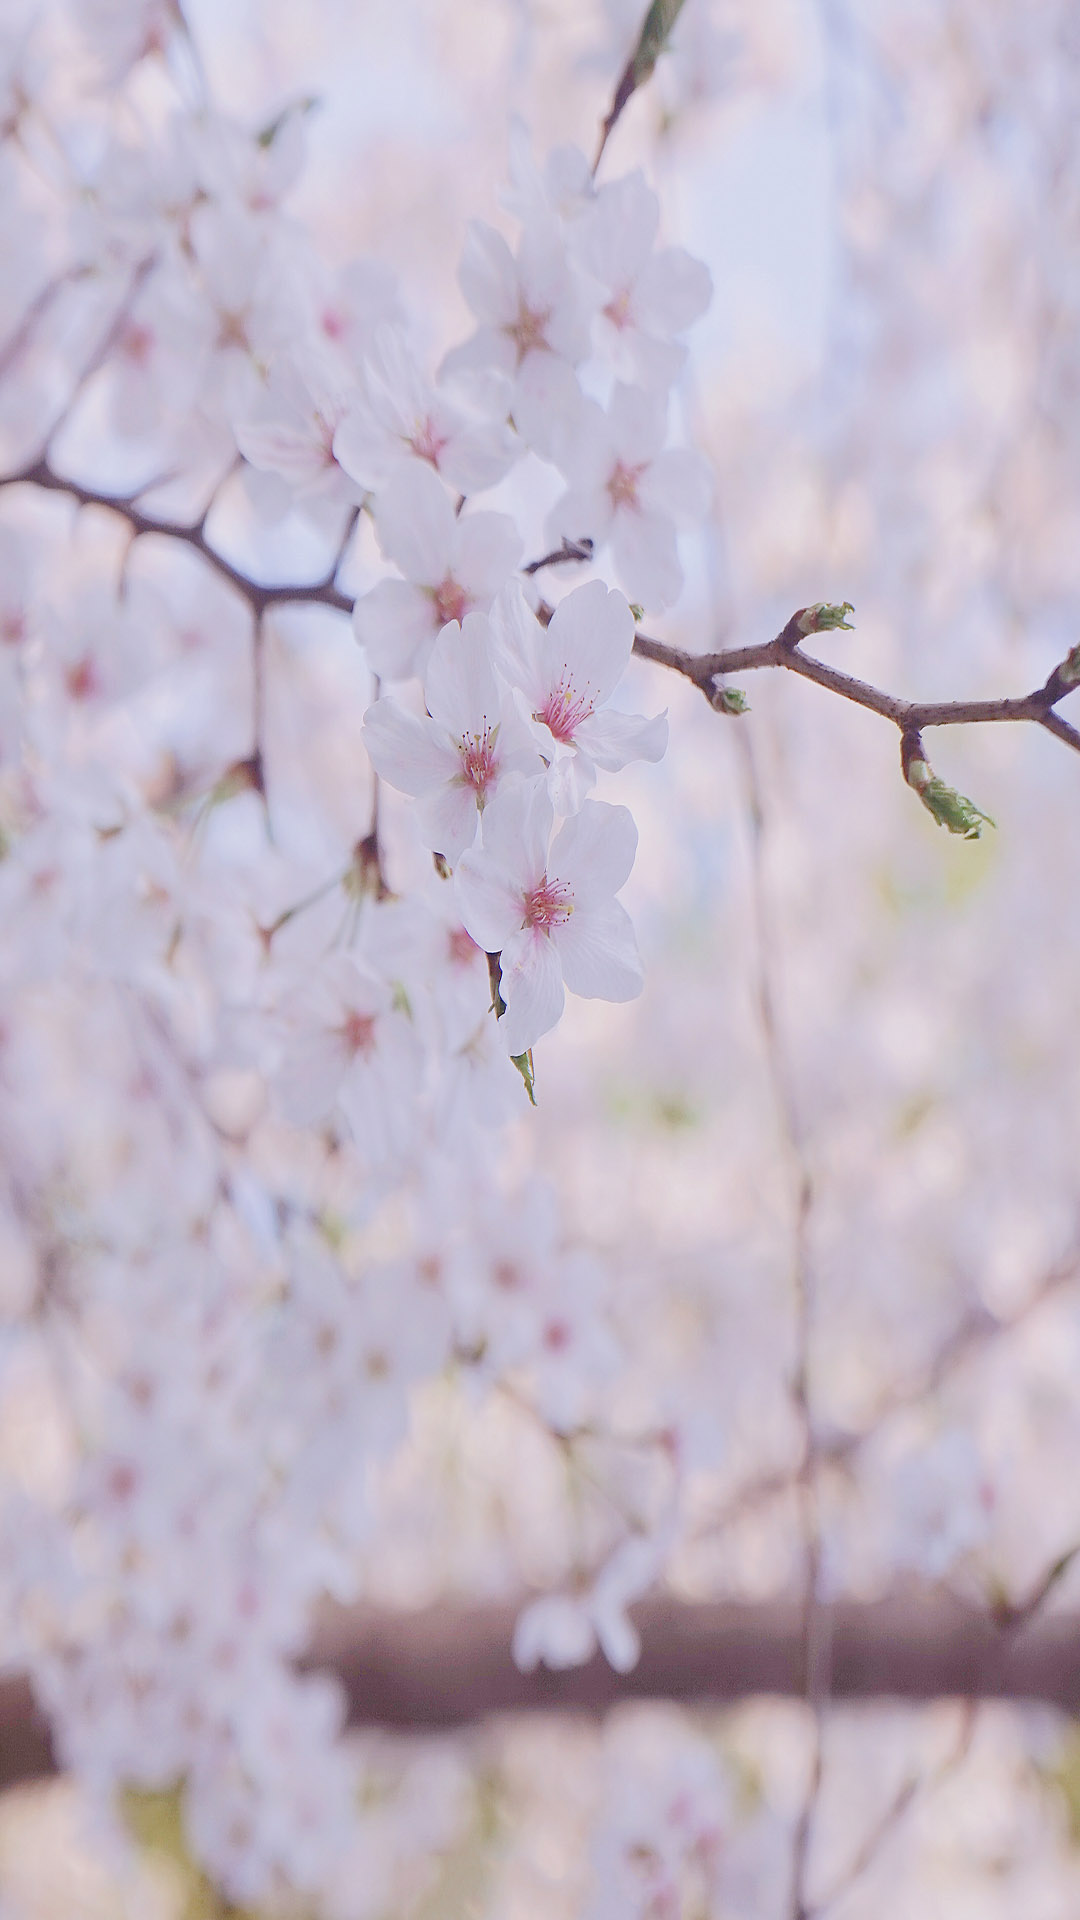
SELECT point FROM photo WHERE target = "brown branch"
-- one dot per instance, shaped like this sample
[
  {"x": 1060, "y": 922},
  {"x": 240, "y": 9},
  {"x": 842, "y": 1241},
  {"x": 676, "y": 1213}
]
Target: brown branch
[
  {"x": 707, "y": 670},
  {"x": 259, "y": 596},
  {"x": 450, "y": 1667}
]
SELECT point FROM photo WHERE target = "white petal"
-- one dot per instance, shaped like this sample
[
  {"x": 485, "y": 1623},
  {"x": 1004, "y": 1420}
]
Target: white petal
[
  {"x": 598, "y": 951},
  {"x": 646, "y": 556},
  {"x": 416, "y": 525},
  {"x": 638, "y": 422},
  {"x": 409, "y": 753},
  {"x": 532, "y": 988},
  {"x": 393, "y": 623},
  {"x": 671, "y": 292},
  {"x": 488, "y": 275},
  {"x": 594, "y": 852},
  {"x": 489, "y": 900},
  {"x": 460, "y": 688},
  {"x": 447, "y": 820},
  {"x": 612, "y": 739},
  {"x": 677, "y": 483},
  {"x": 591, "y": 635},
  {"x": 487, "y": 548},
  {"x": 517, "y": 830}
]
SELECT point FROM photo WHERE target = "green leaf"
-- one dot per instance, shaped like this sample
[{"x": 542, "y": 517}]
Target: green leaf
[
  {"x": 949, "y": 808},
  {"x": 823, "y": 616},
  {"x": 729, "y": 700},
  {"x": 524, "y": 1064}
]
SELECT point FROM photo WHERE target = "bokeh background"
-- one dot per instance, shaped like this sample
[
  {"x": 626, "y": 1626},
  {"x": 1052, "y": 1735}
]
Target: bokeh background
[{"x": 841, "y": 1000}]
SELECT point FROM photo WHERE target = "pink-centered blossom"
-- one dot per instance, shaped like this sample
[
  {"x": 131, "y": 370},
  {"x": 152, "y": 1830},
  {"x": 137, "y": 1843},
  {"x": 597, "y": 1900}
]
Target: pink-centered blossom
[
  {"x": 398, "y": 416},
  {"x": 650, "y": 294},
  {"x": 452, "y": 565},
  {"x": 454, "y": 759},
  {"x": 533, "y": 314},
  {"x": 550, "y": 908},
  {"x": 629, "y": 492},
  {"x": 565, "y": 673}
]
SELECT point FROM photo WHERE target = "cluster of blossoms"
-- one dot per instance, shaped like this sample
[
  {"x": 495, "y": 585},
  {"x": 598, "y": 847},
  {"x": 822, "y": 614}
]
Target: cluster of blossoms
[{"x": 252, "y": 1078}]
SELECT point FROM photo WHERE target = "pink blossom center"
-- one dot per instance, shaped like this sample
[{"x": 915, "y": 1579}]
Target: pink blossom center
[
  {"x": 136, "y": 343},
  {"x": 12, "y": 628},
  {"x": 333, "y": 323},
  {"x": 358, "y": 1032},
  {"x": 623, "y": 484},
  {"x": 618, "y": 309},
  {"x": 81, "y": 678},
  {"x": 427, "y": 442},
  {"x": 451, "y": 601},
  {"x": 564, "y": 710},
  {"x": 529, "y": 331},
  {"x": 548, "y": 905},
  {"x": 556, "y": 1336},
  {"x": 478, "y": 761}
]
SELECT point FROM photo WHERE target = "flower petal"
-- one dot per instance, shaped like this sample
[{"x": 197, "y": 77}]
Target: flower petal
[
  {"x": 598, "y": 952},
  {"x": 532, "y": 987}
]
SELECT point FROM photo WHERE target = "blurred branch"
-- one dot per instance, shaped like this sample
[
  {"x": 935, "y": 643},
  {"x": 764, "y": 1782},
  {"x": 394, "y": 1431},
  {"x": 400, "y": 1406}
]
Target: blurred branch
[
  {"x": 259, "y": 597},
  {"x": 449, "y": 1667},
  {"x": 651, "y": 41}
]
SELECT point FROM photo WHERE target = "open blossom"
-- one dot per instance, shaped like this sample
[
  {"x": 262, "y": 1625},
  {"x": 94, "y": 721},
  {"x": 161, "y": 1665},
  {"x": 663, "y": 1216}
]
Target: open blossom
[
  {"x": 626, "y": 490},
  {"x": 565, "y": 672},
  {"x": 452, "y": 565},
  {"x": 351, "y": 1046},
  {"x": 550, "y": 909},
  {"x": 290, "y": 429},
  {"x": 454, "y": 760},
  {"x": 651, "y": 294},
  {"x": 533, "y": 311},
  {"x": 398, "y": 416}
]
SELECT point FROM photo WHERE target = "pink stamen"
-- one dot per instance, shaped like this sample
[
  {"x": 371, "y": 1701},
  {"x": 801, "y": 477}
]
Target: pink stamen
[
  {"x": 358, "y": 1032},
  {"x": 451, "y": 601},
  {"x": 564, "y": 710},
  {"x": 529, "y": 330},
  {"x": 136, "y": 343},
  {"x": 618, "y": 309},
  {"x": 427, "y": 443},
  {"x": 623, "y": 484},
  {"x": 478, "y": 761},
  {"x": 548, "y": 905}
]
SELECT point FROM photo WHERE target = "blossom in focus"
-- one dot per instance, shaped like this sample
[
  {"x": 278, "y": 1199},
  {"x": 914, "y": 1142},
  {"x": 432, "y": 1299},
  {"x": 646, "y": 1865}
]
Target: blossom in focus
[
  {"x": 454, "y": 760},
  {"x": 550, "y": 909},
  {"x": 565, "y": 672}
]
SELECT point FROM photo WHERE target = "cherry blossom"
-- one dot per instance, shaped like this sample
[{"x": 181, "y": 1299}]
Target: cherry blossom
[
  {"x": 398, "y": 417},
  {"x": 549, "y": 908},
  {"x": 627, "y": 491},
  {"x": 455, "y": 760},
  {"x": 534, "y": 326},
  {"x": 651, "y": 295},
  {"x": 452, "y": 566},
  {"x": 565, "y": 673}
]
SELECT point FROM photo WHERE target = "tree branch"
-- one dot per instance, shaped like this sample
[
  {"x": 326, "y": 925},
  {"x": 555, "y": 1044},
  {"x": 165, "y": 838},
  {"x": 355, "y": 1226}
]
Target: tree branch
[{"x": 450, "y": 1667}]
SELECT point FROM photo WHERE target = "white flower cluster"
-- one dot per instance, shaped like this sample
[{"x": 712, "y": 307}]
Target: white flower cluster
[{"x": 251, "y": 1079}]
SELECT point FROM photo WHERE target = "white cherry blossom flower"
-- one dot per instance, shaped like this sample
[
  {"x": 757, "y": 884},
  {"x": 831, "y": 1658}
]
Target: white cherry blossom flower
[
  {"x": 550, "y": 910},
  {"x": 398, "y": 416},
  {"x": 651, "y": 295},
  {"x": 565, "y": 672},
  {"x": 454, "y": 760},
  {"x": 627, "y": 491},
  {"x": 290, "y": 430},
  {"x": 452, "y": 565},
  {"x": 352, "y": 1046},
  {"x": 534, "y": 325}
]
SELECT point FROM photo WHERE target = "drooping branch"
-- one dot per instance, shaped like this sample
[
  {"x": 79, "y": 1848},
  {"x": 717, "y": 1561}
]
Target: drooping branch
[{"x": 450, "y": 1667}]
